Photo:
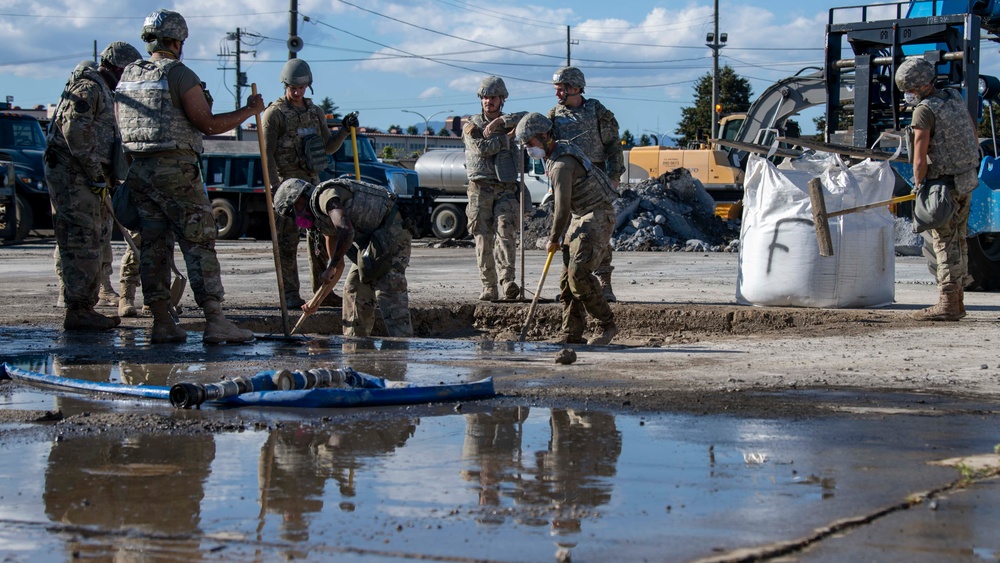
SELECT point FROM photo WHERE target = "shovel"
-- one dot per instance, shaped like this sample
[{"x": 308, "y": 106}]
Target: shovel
[
  {"x": 821, "y": 218},
  {"x": 534, "y": 300}
]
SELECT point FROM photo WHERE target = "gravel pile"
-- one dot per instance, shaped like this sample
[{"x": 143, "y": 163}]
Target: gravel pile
[{"x": 669, "y": 213}]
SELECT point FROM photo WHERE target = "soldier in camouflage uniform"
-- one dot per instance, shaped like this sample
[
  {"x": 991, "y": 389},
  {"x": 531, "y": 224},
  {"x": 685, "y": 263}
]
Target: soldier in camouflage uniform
[
  {"x": 297, "y": 142},
  {"x": 586, "y": 123},
  {"x": 163, "y": 112},
  {"x": 78, "y": 169},
  {"x": 361, "y": 221},
  {"x": 582, "y": 222},
  {"x": 491, "y": 163},
  {"x": 946, "y": 151}
]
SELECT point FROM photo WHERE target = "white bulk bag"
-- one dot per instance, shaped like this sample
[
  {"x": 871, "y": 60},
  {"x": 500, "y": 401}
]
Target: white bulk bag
[{"x": 780, "y": 264}]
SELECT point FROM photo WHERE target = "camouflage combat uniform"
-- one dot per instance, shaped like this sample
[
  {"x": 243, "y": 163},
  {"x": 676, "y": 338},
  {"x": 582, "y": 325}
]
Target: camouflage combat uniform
[
  {"x": 583, "y": 219},
  {"x": 285, "y": 128},
  {"x": 493, "y": 201},
  {"x": 79, "y": 143},
  {"x": 165, "y": 181},
  {"x": 376, "y": 221},
  {"x": 594, "y": 129},
  {"x": 953, "y": 159}
]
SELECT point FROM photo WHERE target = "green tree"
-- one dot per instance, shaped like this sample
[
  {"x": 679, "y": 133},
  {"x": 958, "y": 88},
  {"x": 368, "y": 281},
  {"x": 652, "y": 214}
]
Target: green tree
[
  {"x": 412, "y": 130},
  {"x": 734, "y": 97},
  {"x": 395, "y": 129},
  {"x": 628, "y": 140},
  {"x": 388, "y": 153},
  {"x": 645, "y": 141},
  {"x": 444, "y": 132},
  {"x": 330, "y": 108}
]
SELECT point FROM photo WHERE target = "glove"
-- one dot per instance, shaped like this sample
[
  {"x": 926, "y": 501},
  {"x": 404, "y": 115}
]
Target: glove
[
  {"x": 351, "y": 120},
  {"x": 99, "y": 188}
]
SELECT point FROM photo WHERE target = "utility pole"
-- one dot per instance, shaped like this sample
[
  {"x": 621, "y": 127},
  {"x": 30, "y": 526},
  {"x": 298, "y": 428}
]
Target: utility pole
[
  {"x": 241, "y": 77},
  {"x": 293, "y": 28},
  {"x": 715, "y": 41},
  {"x": 568, "y": 43}
]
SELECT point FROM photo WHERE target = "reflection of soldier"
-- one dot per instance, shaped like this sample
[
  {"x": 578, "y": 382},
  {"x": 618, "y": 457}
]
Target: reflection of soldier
[
  {"x": 493, "y": 440},
  {"x": 296, "y": 462},
  {"x": 110, "y": 484},
  {"x": 362, "y": 355}
]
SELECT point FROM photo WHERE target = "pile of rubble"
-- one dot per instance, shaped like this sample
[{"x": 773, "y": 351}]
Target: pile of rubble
[{"x": 669, "y": 213}]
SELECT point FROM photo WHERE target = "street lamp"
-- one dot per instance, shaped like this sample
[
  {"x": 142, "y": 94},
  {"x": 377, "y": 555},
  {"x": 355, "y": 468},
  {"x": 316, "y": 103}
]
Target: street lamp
[
  {"x": 427, "y": 121},
  {"x": 715, "y": 41}
]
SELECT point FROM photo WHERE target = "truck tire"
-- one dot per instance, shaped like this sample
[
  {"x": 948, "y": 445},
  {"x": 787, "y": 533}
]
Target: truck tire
[
  {"x": 25, "y": 219},
  {"x": 230, "y": 221},
  {"x": 448, "y": 221},
  {"x": 984, "y": 261}
]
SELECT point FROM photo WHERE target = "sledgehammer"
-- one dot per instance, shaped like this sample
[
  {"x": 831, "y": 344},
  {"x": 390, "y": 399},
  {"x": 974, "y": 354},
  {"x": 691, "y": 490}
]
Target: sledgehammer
[{"x": 822, "y": 219}]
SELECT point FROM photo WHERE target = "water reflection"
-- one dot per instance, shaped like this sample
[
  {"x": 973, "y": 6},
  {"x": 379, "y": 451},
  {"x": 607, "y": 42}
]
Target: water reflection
[
  {"x": 296, "y": 461},
  {"x": 148, "y": 484}
]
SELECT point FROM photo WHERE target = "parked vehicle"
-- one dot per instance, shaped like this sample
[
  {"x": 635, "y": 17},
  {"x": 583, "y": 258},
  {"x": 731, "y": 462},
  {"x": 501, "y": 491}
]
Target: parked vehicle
[
  {"x": 22, "y": 142},
  {"x": 444, "y": 170},
  {"x": 234, "y": 180}
]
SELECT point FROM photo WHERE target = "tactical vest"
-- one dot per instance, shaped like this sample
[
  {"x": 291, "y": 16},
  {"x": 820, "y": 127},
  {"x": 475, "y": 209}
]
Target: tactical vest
[
  {"x": 147, "y": 118},
  {"x": 580, "y": 126},
  {"x": 105, "y": 129},
  {"x": 954, "y": 148},
  {"x": 298, "y": 148},
  {"x": 594, "y": 190},
  {"x": 497, "y": 167},
  {"x": 367, "y": 208}
]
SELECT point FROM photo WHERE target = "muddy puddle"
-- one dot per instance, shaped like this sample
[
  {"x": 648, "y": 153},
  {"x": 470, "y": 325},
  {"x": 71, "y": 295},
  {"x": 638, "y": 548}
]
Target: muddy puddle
[{"x": 485, "y": 481}]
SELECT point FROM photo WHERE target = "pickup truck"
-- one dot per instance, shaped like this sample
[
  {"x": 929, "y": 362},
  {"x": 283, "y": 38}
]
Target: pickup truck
[{"x": 22, "y": 143}]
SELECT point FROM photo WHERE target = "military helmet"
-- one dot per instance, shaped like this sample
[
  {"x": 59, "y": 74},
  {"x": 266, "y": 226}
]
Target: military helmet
[
  {"x": 288, "y": 193},
  {"x": 119, "y": 54},
  {"x": 296, "y": 72},
  {"x": 530, "y": 125},
  {"x": 914, "y": 73},
  {"x": 164, "y": 24},
  {"x": 570, "y": 76},
  {"x": 87, "y": 63},
  {"x": 492, "y": 86}
]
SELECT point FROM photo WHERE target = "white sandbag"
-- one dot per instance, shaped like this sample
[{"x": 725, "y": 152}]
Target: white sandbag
[{"x": 780, "y": 264}]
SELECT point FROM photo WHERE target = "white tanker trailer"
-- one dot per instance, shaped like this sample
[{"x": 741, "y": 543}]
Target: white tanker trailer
[{"x": 444, "y": 170}]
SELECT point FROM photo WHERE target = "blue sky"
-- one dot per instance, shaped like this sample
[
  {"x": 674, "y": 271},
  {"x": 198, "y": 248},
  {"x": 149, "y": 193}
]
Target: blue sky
[{"x": 379, "y": 57}]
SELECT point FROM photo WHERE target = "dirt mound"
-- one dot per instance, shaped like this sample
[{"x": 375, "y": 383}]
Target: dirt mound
[{"x": 672, "y": 212}]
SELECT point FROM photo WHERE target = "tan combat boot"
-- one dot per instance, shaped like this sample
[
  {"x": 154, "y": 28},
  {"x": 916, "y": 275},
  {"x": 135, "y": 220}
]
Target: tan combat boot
[
  {"x": 126, "y": 305},
  {"x": 609, "y": 294},
  {"x": 604, "y": 334},
  {"x": 86, "y": 318},
  {"x": 165, "y": 330},
  {"x": 961, "y": 302},
  {"x": 510, "y": 290},
  {"x": 219, "y": 329},
  {"x": 107, "y": 297},
  {"x": 948, "y": 307},
  {"x": 489, "y": 293}
]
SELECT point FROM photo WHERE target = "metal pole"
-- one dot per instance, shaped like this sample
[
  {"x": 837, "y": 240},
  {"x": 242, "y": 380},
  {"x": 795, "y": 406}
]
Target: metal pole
[
  {"x": 567, "y": 46},
  {"x": 715, "y": 74},
  {"x": 239, "y": 129},
  {"x": 293, "y": 23}
]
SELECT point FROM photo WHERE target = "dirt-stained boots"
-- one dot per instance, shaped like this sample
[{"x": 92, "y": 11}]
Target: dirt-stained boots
[
  {"x": 219, "y": 329},
  {"x": 164, "y": 328},
  {"x": 126, "y": 305},
  {"x": 86, "y": 318},
  {"x": 948, "y": 307}
]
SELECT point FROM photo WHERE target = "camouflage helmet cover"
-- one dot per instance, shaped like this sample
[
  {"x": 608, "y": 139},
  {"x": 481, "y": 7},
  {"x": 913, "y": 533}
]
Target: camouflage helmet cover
[
  {"x": 164, "y": 24},
  {"x": 492, "y": 86},
  {"x": 914, "y": 73},
  {"x": 571, "y": 76},
  {"x": 296, "y": 72},
  {"x": 288, "y": 193},
  {"x": 87, "y": 63},
  {"x": 119, "y": 54},
  {"x": 530, "y": 125}
]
